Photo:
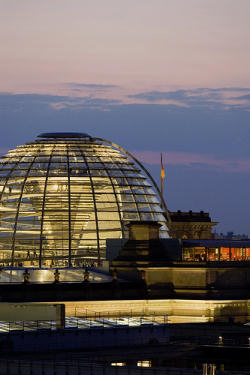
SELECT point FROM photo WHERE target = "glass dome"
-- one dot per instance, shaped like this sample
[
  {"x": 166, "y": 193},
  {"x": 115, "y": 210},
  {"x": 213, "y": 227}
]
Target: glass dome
[{"x": 63, "y": 195}]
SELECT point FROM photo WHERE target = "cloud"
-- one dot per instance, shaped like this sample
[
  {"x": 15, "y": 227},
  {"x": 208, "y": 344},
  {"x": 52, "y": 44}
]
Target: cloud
[
  {"x": 231, "y": 89},
  {"x": 202, "y": 97},
  {"x": 194, "y": 160},
  {"x": 243, "y": 97},
  {"x": 89, "y": 86},
  {"x": 80, "y": 103},
  {"x": 198, "y": 97},
  {"x": 79, "y": 95},
  {"x": 31, "y": 98},
  {"x": 18, "y": 102},
  {"x": 214, "y": 130}
]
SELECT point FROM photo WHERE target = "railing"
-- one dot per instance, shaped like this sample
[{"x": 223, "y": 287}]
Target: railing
[
  {"x": 52, "y": 367},
  {"x": 84, "y": 322},
  {"x": 20, "y": 367}
]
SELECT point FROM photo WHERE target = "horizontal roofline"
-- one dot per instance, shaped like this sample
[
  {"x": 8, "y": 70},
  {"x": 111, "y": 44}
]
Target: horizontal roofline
[{"x": 64, "y": 135}]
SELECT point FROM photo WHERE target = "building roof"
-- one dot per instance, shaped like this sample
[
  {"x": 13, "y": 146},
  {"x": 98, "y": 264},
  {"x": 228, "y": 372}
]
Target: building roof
[
  {"x": 216, "y": 243},
  {"x": 190, "y": 216},
  {"x": 64, "y": 135}
]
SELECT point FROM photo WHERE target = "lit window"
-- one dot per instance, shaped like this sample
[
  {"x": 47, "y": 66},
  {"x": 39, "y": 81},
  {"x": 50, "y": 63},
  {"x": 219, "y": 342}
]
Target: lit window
[
  {"x": 119, "y": 364},
  {"x": 144, "y": 364}
]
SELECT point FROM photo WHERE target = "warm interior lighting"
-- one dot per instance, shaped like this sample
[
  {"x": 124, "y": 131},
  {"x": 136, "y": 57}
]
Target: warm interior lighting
[
  {"x": 144, "y": 364},
  {"x": 118, "y": 364},
  {"x": 200, "y": 253},
  {"x": 61, "y": 199}
]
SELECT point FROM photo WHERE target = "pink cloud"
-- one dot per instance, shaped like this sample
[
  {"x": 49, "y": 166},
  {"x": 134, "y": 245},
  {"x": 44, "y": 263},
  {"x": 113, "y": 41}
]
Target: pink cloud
[{"x": 192, "y": 160}]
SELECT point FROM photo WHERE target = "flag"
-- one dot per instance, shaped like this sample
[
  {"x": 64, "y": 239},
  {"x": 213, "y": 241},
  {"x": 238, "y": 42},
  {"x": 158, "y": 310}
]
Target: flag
[
  {"x": 162, "y": 169},
  {"x": 162, "y": 177}
]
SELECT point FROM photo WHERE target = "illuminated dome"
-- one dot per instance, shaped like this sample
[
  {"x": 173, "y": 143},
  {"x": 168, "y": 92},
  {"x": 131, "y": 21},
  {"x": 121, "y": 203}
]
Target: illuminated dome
[{"x": 64, "y": 194}]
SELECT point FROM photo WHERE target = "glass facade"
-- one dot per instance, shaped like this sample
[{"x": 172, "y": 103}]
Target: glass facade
[
  {"x": 62, "y": 197},
  {"x": 210, "y": 254}
]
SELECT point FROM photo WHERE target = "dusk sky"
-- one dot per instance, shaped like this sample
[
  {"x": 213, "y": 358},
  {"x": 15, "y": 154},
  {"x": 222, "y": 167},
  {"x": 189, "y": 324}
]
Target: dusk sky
[{"x": 170, "y": 76}]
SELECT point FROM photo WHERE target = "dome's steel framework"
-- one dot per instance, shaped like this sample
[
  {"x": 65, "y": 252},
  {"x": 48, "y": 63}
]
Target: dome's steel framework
[{"x": 63, "y": 195}]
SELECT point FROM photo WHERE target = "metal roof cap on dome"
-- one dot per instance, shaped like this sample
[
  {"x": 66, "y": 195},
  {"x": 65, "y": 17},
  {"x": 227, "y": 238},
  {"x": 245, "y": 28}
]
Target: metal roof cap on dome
[{"x": 64, "y": 135}]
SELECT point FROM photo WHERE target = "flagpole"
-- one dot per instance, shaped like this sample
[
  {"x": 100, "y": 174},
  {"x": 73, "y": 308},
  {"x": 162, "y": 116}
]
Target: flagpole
[{"x": 161, "y": 187}]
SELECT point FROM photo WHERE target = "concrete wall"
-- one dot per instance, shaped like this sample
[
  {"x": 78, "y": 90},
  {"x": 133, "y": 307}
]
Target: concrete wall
[
  {"x": 33, "y": 311},
  {"x": 174, "y": 310},
  {"x": 177, "y": 310},
  {"x": 172, "y": 248},
  {"x": 199, "y": 277},
  {"x": 113, "y": 247}
]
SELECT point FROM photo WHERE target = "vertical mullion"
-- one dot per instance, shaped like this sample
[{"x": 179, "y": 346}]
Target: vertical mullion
[
  {"x": 143, "y": 169},
  {"x": 132, "y": 193},
  {"x": 18, "y": 208},
  {"x": 9, "y": 175},
  {"x": 94, "y": 202},
  {"x": 113, "y": 187},
  {"x": 43, "y": 207},
  {"x": 69, "y": 206}
]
